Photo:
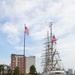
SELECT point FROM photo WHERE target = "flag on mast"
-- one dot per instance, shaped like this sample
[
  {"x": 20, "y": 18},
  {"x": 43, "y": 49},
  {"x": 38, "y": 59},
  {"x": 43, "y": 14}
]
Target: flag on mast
[
  {"x": 26, "y": 30},
  {"x": 54, "y": 39}
]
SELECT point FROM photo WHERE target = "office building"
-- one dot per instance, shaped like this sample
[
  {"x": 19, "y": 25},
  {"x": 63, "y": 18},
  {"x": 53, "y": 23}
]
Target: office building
[
  {"x": 29, "y": 62},
  {"x": 18, "y": 60}
]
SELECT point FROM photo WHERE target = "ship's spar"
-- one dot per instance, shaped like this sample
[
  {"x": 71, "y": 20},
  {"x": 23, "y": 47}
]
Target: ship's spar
[{"x": 50, "y": 58}]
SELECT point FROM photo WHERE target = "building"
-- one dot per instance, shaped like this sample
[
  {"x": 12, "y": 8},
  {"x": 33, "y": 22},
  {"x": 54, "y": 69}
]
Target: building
[
  {"x": 18, "y": 60},
  {"x": 29, "y": 61},
  {"x": 5, "y": 67},
  {"x": 74, "y": 72},
  {"x": 70, "y": 71}
]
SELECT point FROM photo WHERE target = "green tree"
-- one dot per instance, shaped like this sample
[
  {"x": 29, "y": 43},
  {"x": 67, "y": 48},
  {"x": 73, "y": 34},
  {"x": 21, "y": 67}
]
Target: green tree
[
  {"x": 16, "y": 70},
  {"x": 2, "y": 69},
  {"x": 9, "y": 71},
  {"x": 32, "y": 70}
]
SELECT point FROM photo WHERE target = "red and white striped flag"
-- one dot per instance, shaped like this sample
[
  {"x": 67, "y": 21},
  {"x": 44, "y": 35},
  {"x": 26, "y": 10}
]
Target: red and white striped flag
[
  {"x": 54, "y": 39},
  {"x": 26, "y": 30}
]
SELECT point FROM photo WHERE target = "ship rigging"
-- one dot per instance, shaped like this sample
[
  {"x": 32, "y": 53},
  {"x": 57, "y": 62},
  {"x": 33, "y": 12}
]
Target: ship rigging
[{"x": 51, "y": 61}]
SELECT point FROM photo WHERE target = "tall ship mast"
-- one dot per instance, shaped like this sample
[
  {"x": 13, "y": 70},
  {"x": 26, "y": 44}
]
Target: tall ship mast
[{"x": 51, "y": 61}]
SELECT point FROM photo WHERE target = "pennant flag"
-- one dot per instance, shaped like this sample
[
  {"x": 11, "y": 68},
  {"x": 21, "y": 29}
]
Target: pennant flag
[
  {"x": 26, "y": 30},
  {"x": 54, "y": 39}
]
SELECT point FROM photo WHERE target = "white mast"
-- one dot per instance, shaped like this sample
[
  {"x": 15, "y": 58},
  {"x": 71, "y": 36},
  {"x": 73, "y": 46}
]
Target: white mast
[{"x": 50, "y": 57}]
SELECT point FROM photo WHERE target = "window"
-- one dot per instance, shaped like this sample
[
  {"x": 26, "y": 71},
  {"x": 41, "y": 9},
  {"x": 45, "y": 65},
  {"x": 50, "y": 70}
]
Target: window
[{"x": 13, "y": 60}]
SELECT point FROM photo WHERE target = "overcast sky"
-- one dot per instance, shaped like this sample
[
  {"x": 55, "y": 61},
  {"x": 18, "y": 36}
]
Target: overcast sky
[{"x": 37, "y": 15}]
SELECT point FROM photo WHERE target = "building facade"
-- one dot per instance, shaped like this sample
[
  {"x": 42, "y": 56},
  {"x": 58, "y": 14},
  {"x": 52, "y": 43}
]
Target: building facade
[
  {"x": 70, "y": 71},
  {"x": 29, "y": 62},
  {"x": 20, "y": 61}
]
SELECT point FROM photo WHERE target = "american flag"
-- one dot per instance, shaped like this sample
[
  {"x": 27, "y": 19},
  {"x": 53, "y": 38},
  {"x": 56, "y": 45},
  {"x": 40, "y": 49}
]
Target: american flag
[
  {"x": 26, "y": 30},
  {"x": 54, "y": 39}
]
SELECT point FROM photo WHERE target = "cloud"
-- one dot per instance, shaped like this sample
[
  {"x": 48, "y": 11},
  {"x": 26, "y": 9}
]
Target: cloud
[
  {"x": 66, "y": 48},
  {"x": 19, "y": 7},
  {"x": 22, "y": 48},
  {"x": 37, "y": 14},
  {"x": 38, "y": 33},
  {"x": 11, "y": 31}
]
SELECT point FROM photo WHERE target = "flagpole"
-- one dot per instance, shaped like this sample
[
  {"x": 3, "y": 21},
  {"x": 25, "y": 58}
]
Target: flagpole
[{"x": 24, "y": 51}]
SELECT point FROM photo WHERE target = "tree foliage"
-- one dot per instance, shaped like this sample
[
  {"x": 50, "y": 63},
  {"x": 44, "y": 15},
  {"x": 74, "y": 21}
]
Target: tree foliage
[
  {"x": 9, "y": 71},
  {"x": 32, "y": 70},
  {"x": 2, "y": 69},
  {"x": 16, "y": 70}
]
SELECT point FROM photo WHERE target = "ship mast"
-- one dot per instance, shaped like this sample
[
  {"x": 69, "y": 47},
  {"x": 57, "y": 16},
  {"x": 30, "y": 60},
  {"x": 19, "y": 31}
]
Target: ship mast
[
  {"x": 51, "y": 45},
  {"x": 50, "y": 57},
  {"x": 47, "y": 51}
]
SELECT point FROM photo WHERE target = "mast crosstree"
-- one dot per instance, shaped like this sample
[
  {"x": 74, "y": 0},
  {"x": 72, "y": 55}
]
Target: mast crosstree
[{"x": 50, "y": 58}]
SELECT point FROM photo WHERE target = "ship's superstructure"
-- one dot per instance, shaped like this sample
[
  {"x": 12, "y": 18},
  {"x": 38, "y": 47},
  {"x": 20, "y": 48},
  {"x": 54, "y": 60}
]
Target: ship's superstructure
[{"x": 51, "y": 61}]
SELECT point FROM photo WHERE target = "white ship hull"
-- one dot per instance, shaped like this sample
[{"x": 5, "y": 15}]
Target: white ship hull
[{"x": 54, "y": 73}]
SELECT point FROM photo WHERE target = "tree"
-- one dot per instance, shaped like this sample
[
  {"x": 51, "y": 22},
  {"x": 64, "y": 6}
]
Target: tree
[
  {"x": 32, "y": 70},
  {"x": 2, "y": 69},
  {"x": 9, "y": 71},
  {"x": 16, "y": 70}
]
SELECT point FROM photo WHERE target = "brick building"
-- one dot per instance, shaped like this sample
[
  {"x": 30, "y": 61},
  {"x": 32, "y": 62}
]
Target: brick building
[{"x": 18, "y": 60}]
